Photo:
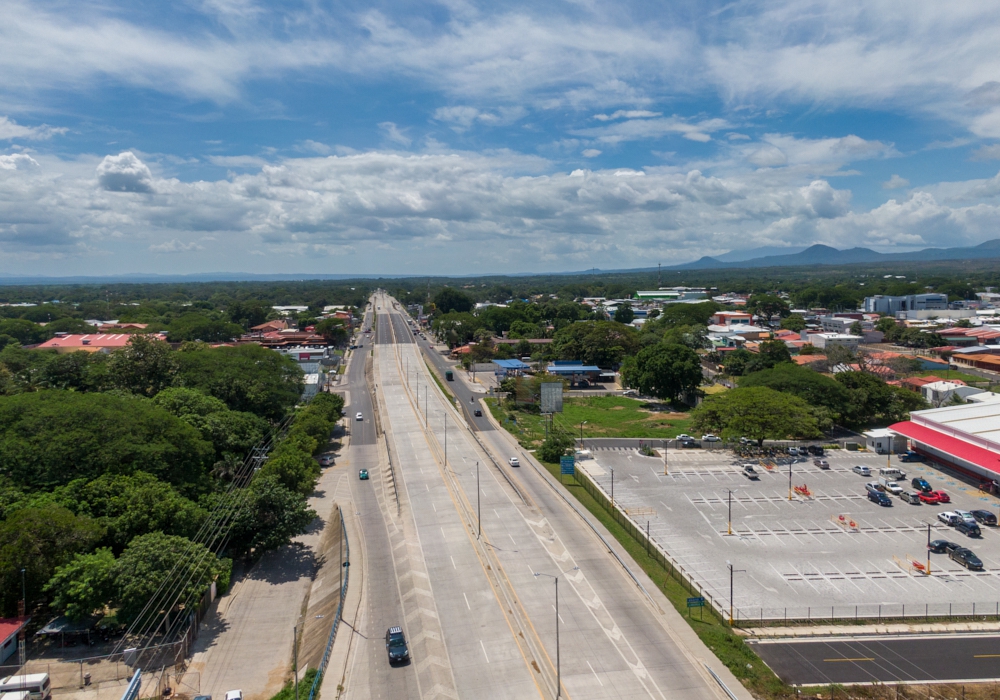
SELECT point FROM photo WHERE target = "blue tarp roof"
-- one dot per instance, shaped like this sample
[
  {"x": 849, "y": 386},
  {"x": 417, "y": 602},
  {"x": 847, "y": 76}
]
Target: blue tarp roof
[
  {"x": 572, "y": 369},
  {"x": 511, "y": 364}
]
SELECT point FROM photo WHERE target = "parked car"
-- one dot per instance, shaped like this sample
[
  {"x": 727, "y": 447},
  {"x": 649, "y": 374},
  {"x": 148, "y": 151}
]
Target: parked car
[
  {"x": 793, "y": 451},
  {"x": 234, "y": 695},
  {"x": 478, "y": 413},
  {"x": 929, "y": 497},
  {"x": 363, "y": 474},
  {"x": 880, "y": 498},
  {"x": 861, "y": 469},
  {"x": 690, "y": 443},
  {"x": 821, "y": 463},
  {"x": 984, "y": 517},
  {"x": 966, "y": 558},
  {"x": 746, "y": 441},
  {"x": 750, "y": 473},
  {"x": 890, "y": 486},
  {"x": 911, "y": 497},
  {"x": 514, "y": 462},
  {"x": 965, "y": 515},
  {"x": 920, "y": 484},
  {"x": 968, "y": 528},
  {"x": 941, "y": 546},
  {"x": 816, "y": 450},
  {"x": 395, "y": 645},
  {"x": 873, "y": 486},
  {"x": 942, "y": 497},
  {"x": 892, "y": 473},
  {"x": 949, "y": 518},
  {"x": 358, "y": 416},
  {"x": 683, "y": 436},
  {"x": 910, "y": 456},
  {"x": 710, "y": 438},
  {"x": 326, "y": 461}
]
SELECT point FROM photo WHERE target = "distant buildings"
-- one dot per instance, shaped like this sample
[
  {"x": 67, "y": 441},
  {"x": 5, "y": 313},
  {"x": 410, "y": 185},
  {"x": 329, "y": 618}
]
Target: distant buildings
[
  {"x": 880, "y": 304},
  {"x": 669, "y": 295},
  {"x": 90, "y": 342}
]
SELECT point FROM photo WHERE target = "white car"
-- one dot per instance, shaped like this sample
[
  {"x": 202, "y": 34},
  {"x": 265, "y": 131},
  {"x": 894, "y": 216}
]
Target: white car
[
  {"x": 514, "y": 462},
  {"x": 862, "y": 470},
  {"x": 949, "y": 517},
  {"x": 710, "y": 438},
  {"x": 234, "y": 695},
  {"x": 683, "y": 436},
  {"x": 359, "y": 416}
]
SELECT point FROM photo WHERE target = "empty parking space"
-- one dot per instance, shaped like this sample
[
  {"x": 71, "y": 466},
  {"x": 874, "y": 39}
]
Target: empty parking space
[{"x": 809, "y": 544}]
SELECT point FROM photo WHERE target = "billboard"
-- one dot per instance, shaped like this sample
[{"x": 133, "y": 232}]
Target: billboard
[{"x": 552, "y": 395}]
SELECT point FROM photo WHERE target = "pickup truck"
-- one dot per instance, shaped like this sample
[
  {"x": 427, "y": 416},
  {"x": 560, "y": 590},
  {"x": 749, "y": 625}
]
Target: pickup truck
[
  {"x": 750, "y": 473},
  {"x": 890, "y": 486}
]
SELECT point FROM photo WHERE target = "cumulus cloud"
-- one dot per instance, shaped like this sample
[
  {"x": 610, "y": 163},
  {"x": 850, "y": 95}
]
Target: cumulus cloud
[
  {"x": 653, "y": 128},
  {"x": 17, "y": 161},
  {"x": 895, "y": 183},
  {"x": 823, "y": 155},
  {"x": 124, "y": 173}
]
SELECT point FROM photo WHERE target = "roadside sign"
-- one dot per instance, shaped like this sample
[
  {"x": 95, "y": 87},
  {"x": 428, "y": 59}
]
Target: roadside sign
[
  {"x": 698, "y": 602},
  {"x": 566, "y": 463}
]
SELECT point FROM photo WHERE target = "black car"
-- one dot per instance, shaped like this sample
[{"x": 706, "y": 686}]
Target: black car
[
  {"x": 985, "y": 517},
  {"x": 815, "y": 450},
  {"x": 880, "y": 498},
  {"x": 966, "y": 558},
  {"x": 395, "y": 645},
  {"x": 941, "y": 546},
  {"x": 477, "y": 413},
  {"x": 921, "y": 484},
  {"x": 690, "y": 443},
  {"x": 968, "y": 528}
]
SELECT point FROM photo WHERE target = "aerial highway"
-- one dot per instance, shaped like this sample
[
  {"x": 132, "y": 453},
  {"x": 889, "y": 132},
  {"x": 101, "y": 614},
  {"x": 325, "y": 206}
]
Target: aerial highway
[{"x": 468, "y": 549}]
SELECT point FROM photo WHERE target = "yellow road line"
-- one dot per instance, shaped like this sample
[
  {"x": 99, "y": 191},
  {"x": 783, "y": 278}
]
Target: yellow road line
[
  {"x": 865, "y": 659},
  {"x": 986, "y": 656}
]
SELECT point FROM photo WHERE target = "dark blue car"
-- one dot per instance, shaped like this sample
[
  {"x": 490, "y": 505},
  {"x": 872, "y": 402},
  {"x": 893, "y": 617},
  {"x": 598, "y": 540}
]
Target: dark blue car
[{"x": 880, "y": 498}]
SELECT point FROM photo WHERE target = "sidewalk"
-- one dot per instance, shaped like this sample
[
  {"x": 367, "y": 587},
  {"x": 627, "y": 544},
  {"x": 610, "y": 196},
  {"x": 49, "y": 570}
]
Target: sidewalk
[{"x": 969, "y": 627}]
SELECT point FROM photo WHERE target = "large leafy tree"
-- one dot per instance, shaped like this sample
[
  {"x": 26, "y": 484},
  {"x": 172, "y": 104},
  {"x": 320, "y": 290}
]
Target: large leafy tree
[
  {"x": 769, "y": 354},
  {"x": 52, "y": 437},
  {"x": 38, "y": 540},
  {"x": 84, "y": 585},
  {"x": 145, "y": 366},
  {"x": 333, "y": 330},
  {"x": 758, "y": 413},
  {"x": 809, "y": 385},
  {"x": 765, "y": 306},
  {"x": 601, "y": 343},
  {"x": 873, "y": 401},
  {"x": 664, "y": 371},
  {"x": 448, "y": 300},
  {"x": 267, "y": 515}
]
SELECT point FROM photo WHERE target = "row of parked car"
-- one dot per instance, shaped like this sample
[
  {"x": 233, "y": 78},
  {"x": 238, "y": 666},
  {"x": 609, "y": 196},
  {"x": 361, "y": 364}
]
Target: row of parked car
[{"x": 962, "y": 555}]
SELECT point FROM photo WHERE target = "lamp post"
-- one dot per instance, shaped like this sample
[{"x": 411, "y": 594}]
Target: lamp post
[
  {"x": 479, "y": 510},
  {"x": 612, "y": 488},
  {"x": 558, "y": 664},
  {"x": 789, "y": 480},
  {"x": 731, "y": 572},
  {"x": 582, "y": 423},
  {"x": 928, "y": 549},
  {"x": 730, "y": 511}
]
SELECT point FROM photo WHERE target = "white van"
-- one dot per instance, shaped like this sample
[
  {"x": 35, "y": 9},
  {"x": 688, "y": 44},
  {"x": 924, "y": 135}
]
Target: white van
[
  {"x": 892, "y": 473},
  {"x": 37, "y": 686}
]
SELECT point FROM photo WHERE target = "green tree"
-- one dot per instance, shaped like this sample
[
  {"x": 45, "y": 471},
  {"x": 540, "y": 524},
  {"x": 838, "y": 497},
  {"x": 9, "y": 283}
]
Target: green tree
[
  {"x": 873, "y": 401},
  {"x": 554, "y": 447},
  {"x": 665, "y": 371},
  {"x": 182, "y": 402},
  {"x": 601, "y": 343},
  {"x": 886, "y": 324},
  {"x": 85, "y": 585},
  {"x": 765, "y": 306},
  {"x": 293, "y": 466},
  {"x": 809, "y": 385},
  {"x": 26, "y": 332},
  {"x": 769, "y": 354},
  {"x": 333, "y": 330},
  {"x": 758, "y": 413},
  {"x": 687, "y": 314},
  {"x": 145, "y": 366},
  {"x": 448, "y": 300},
  {"x": 38, "y": 540},
  {"x": 794, "y": 322},
  {"x": 204, "y": 327},
  {"x": 149, "y": 560},
  {"x": 267, "y": 516},
  {"x": 736, "y": 362},
  {"x": 248, "y": 314},
  {"x": 624, "y": 314}
]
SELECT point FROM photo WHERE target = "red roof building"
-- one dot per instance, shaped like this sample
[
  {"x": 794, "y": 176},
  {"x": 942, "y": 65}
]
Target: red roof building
[
  {"x": 9, "y": 627},
  {"x": 90, "y": 342},
  {"x": 964, "y": 437}
]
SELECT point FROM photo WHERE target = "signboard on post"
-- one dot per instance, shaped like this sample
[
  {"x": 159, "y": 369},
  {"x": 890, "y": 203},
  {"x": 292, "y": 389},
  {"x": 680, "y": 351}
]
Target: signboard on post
[
  {"x": 552, "y": 397},
  {"x": 699, "y": 603},
  {"x": 566, "y": 465}
]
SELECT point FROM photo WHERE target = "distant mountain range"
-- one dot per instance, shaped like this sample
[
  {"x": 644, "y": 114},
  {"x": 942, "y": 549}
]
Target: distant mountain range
[{"x": 825, "y": 255}]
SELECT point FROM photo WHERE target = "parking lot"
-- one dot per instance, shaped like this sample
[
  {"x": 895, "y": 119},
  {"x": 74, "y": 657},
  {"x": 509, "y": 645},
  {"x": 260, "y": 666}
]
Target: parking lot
[{"x": 828, "y": 551}]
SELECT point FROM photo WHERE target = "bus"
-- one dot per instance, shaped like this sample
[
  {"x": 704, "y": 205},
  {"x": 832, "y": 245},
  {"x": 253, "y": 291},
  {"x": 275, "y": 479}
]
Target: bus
[{"x": 37, "y": 686}]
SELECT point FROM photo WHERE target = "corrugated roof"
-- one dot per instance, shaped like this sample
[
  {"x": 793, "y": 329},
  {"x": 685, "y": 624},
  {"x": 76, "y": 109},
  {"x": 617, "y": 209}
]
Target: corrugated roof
[{"x": 11, "y": 626}]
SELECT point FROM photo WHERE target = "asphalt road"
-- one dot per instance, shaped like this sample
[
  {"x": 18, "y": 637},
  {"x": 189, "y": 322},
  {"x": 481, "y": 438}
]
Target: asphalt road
[
  {"x": 363, "y": 431},
  {"x": 909, "y": 659}
]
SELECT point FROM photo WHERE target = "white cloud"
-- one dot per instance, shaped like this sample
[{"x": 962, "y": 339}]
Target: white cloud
[
  {"x": 895, "y": 183},
  {"x": 395, "y": 134},
  {"x": 124, "y": 173},
  {"x": 17, "y": 161},
  {"x": 989, "y": 152},
  {"x": 237, "y": 161},
  {"x": 642, "y": 129},
  {"x": 820, "y": 155},
  {"x": 11, "y": 130},
  {"x": 590, "y": 153},
  {"x": 175, "y": 246},
  {"x": 628, "y": 114}
]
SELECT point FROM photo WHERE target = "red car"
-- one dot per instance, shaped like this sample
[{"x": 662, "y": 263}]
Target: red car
[{"x": 935, "y": 497}]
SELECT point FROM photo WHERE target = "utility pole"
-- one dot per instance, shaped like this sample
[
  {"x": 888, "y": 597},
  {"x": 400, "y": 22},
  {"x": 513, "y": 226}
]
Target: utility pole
[
  {"x": 295, "y": 657},
  {"x": 730, "y": 511},
  {"x": 612, "y": 488},
  {"x": 731, "y": 572},
  {"x": 789, "y": 480},
  {"x": 479, "y": 508},
  {"x": 928, "y": 549},
  {"x": 664, "y": 458},
  {"x": 446, "y": 440}
]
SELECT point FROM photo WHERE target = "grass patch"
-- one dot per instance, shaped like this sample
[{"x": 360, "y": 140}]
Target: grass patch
[
  {"x": 606, "y": 416},
  {"x": 947, "y": 374},
  {"x": 288, "y": 692},
  {"x": 714, "y": 389},
  {"x": 712, "y": 630}
]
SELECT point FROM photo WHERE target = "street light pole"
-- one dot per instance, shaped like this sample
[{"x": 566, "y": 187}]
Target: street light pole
[
  {"x": 479, "y": 510},
  {"x": 730, "y": 511},
  {"x": 612, "y": 488},
  {"x": 558, "y": 663},
  {"x": 446, "y": 440},
  {"x": 731, "y": 571},
  {"x": 789, "y": 480},
  {"x": 582, "y": 423},
  {"x": 928, "y": 549}
]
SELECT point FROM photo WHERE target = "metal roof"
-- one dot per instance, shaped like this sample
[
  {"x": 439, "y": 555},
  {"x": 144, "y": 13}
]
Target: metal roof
[{"x": 511, "y": 364}]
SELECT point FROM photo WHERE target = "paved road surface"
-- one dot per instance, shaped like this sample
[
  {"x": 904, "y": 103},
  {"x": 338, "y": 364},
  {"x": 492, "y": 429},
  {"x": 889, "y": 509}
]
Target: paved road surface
[{"x": 885, "y": 659}]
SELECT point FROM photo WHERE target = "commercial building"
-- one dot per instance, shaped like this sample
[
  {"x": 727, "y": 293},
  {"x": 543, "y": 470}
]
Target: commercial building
[
  {"x": 828, "y": 340},
  {"x": 9, "y": 629},
  {"x": 884, "y": 441},
  {"x": 669, "y": 295},
  {"x": 943, "y": 392},
  {"x": 964, "y": 437},
  {"x": 575, "y": 371},
  {"x": 90, "y": 342},
  {"x": 880, "y": 304}
]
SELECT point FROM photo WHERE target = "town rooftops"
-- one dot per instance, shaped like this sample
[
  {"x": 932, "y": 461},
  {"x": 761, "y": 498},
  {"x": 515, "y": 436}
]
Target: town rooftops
[
  {"x": 91, "y": 342},
  {"x": 511, "y": 364}
]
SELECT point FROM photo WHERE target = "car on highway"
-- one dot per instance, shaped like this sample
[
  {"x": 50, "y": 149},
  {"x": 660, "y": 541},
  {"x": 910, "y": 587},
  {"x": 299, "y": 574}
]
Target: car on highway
[
  {"x": 861, "y": 469},
  {"x": 880, "y": 498},
  {"x": 920, "y": 484},
  {"x": 478, "y": 413},
  {"x": 514, "y": 462},
  {"x": 949, "y": 517},
  {"x": 941, "y": 546},
  {"x": 984, "y": 517},
  {"x": 363, "y": 474},
  {"x": 359, "y": 416},
  {"x": 708, "y": 437},
  {"x": 750, "y": 473},
  {"x": 968, "y": 528},
  {"x": 395, "y": 645},
  {"x": 821, "y": 463},
  {"x": 966, "y": 558},
  {"x": 326, "y": 461}
]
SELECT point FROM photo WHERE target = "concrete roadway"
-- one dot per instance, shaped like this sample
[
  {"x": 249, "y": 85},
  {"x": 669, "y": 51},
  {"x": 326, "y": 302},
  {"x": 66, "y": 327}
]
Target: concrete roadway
[
  {"x": 615, "y": 642},
  {"x": 885, "y": 659}
]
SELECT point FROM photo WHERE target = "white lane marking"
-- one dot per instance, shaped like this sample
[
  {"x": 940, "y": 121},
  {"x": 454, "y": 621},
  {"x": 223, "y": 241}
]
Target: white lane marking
[
  {"x": 562, "y": 621},
  {"x": 484, "y": 650},
  {"x": 466, "y": 600},
  {"x": 595, "y": 674},
  {"x": 434, "y": 507},
  {"x": 511, "y": 539},
  {"x": 453, "y": 562}
]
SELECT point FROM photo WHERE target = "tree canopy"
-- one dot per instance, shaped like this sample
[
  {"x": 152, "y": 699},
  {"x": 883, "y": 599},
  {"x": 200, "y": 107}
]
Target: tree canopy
[
  {"x": 758, "y": 413},
  {"x": 601, "y": 343},
  {"x": 664, "y": 371}
]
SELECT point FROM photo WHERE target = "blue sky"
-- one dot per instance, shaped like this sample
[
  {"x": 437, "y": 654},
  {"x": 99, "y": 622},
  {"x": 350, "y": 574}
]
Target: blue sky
[{"x": 462, "y": 137}]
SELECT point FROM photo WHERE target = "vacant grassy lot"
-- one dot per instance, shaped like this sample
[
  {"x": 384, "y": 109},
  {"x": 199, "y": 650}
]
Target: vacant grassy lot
[
  {"x": 970, "y": 379},
  {"x": 605, "y": 416}
]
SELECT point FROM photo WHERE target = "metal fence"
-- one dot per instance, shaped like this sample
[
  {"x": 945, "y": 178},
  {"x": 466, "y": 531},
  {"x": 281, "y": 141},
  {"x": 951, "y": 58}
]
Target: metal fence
[{"x": 340, "y": 611}]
